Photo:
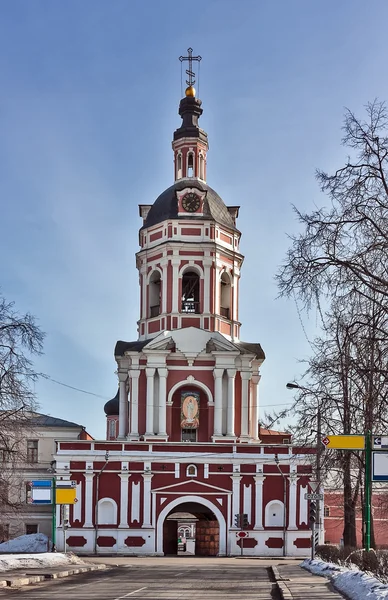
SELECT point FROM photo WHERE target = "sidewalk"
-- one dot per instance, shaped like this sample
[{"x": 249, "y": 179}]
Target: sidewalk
[
  {"x": 19, "y": 577},
  {"x": 296, "y": 583}
]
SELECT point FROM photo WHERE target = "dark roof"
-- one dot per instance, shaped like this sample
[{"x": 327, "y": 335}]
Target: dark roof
[
  {"x": 122, "y": 347},
  {"x": 250, "y": 348},
  {"x": 111, "y": 408},
  {"x": 166, "y": 206},
  {"x": 245, "y": 348},
  {"x": 40, "y": 420}
]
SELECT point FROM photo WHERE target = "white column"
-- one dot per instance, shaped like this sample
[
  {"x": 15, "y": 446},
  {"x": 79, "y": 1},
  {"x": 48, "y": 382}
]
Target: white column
[
  {"x": 255, "y": 407},
  {"x": 236, "y": 478},
  {"x": 217, "y": 286},
  {"x": 175, "y": 287},
  {"x": 163, "y": 307},
  {"x": 124, "y": 500},
  {"x": 245, "y": 377},
  {"x": 147, "y": 499},
  {"x": 143, "y": 273},
  {"x": 259, "y": 481},
  {"x": 162, "y": 401},
  {"x": 292, "y": 502},
  {"x": 207, "y": 262},
  {"x": 123, "y": 402},
  {"x": 88, "y": 499},
  {"x": 218, "y": 373},
  {"x": 150, "y": 401},
  {"x": 230, "y": 415},
  {"x": 134, "y": 375}
]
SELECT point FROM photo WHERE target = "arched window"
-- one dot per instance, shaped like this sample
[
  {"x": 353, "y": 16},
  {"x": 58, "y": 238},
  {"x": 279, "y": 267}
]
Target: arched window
[
  {"x": 179, "y": 166},
  {"x": 191, "y": 471},
  {"x": 107, "y": 512},
  {"x": 112, "y": 429},
  {"x": 274, "y": 514},
  {"x": 190, "y": 292},
  {"x": 225, "y": 295},
  {"x": 154, "y": 287},
  {"x": 190, "y": 164}
]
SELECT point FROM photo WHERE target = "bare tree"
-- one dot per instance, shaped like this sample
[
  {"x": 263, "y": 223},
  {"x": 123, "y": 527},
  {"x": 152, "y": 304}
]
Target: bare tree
[
  {"x": 341, "y": 257},
  {"x": 20, "y": 340},
  {"x": 344, "y": 246}
]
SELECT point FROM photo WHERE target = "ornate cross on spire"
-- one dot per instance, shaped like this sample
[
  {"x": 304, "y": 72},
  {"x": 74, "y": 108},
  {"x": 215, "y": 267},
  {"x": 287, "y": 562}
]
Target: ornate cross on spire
[{"x": 190, "y": 81}]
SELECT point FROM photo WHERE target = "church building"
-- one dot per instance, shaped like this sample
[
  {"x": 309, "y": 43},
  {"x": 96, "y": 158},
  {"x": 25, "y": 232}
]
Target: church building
[{"x": 182, "y": 432}]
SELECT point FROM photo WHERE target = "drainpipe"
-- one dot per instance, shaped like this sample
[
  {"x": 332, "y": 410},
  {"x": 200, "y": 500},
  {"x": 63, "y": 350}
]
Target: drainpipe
[
  {"x": 96, "y": 504},
  {"x": 284, "y": 505}
]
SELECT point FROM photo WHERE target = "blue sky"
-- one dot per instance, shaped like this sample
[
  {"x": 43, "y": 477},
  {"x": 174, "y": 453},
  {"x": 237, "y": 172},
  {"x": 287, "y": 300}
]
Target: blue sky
[{"x": 89, "y": 93}]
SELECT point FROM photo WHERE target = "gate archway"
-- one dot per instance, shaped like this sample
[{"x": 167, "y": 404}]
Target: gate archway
[{"x": 199, "y": 507}]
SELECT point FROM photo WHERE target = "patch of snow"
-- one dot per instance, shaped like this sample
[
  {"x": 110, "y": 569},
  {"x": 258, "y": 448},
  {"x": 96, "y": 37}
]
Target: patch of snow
[
  {"x": 350, "y": 580},
  {"x": 35, "y": 542},
  {"x": 38, "y": 561}
]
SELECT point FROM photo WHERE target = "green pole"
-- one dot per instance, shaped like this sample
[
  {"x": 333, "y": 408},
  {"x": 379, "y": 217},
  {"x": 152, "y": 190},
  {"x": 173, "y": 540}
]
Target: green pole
[
  {"x": 368, "y": 488},
  {"x": 54, "y": 515}
]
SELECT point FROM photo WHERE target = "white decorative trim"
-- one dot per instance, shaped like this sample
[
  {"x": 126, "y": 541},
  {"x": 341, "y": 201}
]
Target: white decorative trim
[
  {"x": 135, "y": 506},
  {"x": 247, "y": 501},
  {"x": 192, "y": 381},
  {"x": 112, "y": 503},
  {"x": 77, "y": 512}
]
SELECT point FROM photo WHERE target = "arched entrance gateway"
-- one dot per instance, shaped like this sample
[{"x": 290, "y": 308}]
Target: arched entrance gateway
[{"x": 210, "y": 527}]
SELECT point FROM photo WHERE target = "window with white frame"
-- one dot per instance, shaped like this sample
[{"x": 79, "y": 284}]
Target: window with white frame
[{"x": 191, "y": 471}]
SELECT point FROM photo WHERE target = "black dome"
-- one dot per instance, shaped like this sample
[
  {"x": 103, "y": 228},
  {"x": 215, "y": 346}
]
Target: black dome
[
  {"x": 166, "y": 206},
  {"x": 111, "y": 408}
]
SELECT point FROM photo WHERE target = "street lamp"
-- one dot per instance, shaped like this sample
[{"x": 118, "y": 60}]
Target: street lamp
[{"x": 296, "y": 386}]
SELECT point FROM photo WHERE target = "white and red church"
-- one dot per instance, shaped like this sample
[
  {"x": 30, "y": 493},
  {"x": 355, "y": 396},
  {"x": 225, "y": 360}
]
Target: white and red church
[{"x": 182, "y": 431}]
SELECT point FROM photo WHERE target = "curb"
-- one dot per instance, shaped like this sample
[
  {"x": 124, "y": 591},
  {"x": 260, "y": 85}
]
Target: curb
[
  {"x": 285, "y": 593},
  {"x": 38, "y": 577}
]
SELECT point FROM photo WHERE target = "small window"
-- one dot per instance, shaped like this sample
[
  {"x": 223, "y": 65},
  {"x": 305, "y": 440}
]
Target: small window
[
  {"x": 32, "y": 451},
  {"x": 326, "y": 511},
  {"x": 191, "y": 471},
  {"x": 31, "y": 528},
  {"x": 286, "y": 441},
  {"x": 179, "y": 167},
  {"x": 190, "y": 164},
  {"x": 112, "y": 429},
  {"x": 189, "y": 435}
]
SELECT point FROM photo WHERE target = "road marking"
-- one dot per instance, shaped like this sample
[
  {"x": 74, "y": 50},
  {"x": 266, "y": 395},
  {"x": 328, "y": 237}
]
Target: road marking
[{"x": 131, "y": 593}]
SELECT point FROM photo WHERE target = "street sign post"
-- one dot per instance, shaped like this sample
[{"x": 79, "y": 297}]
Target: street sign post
[
  {"x": 39, "y": 491},
  {"x": 379, "y": 442},
  {"x": 65, "y": 492},
  {"x": 379, "y": 466},
  {"x": 313, "y": 496},
  {"x": 344, "y": 442}
]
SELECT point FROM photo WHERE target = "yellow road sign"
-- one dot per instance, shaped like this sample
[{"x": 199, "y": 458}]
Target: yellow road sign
[
  {"x": 65, "y": 495},
  {"x": 344, "y": 442}
]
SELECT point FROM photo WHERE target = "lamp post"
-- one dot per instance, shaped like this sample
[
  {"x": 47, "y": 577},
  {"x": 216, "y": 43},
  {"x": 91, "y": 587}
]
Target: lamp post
[{"x": 296, "y": 386}]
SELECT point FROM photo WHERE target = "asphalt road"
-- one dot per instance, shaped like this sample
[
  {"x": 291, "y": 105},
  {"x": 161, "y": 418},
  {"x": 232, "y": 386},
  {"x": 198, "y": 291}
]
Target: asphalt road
[{"x": 183, "y": 579}]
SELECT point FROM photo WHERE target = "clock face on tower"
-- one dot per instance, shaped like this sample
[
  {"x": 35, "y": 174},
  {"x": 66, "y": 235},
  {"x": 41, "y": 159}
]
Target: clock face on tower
[{"x": 191, "y": 202}]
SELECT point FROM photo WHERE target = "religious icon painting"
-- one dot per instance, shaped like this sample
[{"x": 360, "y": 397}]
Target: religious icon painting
[{"x": 189, "y": 410}]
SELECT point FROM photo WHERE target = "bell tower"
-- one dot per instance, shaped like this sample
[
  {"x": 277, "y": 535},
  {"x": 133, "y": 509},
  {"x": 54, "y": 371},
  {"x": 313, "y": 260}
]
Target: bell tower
[
  {"x": 189, "y": 259},
  {"x": 188, "y": 344}
]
